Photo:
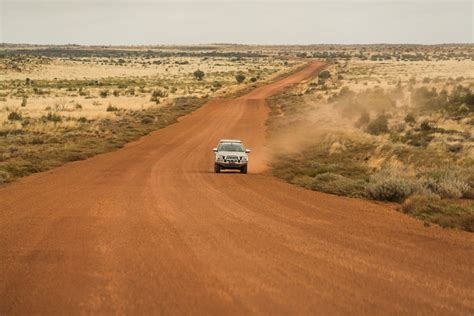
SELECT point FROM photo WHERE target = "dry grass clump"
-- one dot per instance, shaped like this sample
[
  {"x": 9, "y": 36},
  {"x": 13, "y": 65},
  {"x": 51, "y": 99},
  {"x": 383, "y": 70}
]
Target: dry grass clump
[
  {"x": 391, "y": 184},
  {"x": 450, "y": 183},
  {"x": 430, "y": 208},
  {"x": 4, "y": 176}
]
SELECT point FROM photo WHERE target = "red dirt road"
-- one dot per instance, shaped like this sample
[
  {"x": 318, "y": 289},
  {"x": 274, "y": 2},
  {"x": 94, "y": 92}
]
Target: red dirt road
[{"x": 151, "y": 229}]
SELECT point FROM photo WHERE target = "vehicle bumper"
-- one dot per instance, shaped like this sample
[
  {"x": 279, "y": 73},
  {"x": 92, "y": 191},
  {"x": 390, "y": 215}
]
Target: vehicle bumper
[{"x": 231, "y": 165}]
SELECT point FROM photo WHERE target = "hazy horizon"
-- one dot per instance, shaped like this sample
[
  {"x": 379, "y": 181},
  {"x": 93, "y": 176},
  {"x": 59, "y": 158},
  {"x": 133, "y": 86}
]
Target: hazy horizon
[{"x": 244, "y": 22}]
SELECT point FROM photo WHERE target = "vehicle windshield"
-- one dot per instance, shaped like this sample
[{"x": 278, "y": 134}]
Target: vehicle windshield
[{"x": 231, "y": 147}]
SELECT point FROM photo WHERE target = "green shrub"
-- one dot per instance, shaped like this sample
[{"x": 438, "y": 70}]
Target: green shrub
[
  {"x": 391, "y": 185},
  {"x": 147, "y": 120},
  {"x": 104, "y": 93},
  {"x": 416, "y": 204},
  {"x": 410, "y": 118},
  {"x": 14, "y": 116},
  {"x": 199, "y": 74},
  {"x": 442, "y": 212},
  {"x": 337, "y": 184},
  {"x": 24, "y": 101},
  {"x": 468, "y": 223},
  {"x": 455, "y": 148},
  {"x": 53, "y": 117},
  {"x": 111, "y": 108},
  {"x": 426, "y": 126},
  {"x": 130, "y": 91},
  {"x": 448, "y": 183},
  {"x": 4, "y": 176},
  {"x": 452, "y": 188},
  {"x": 157, "y": 94},
  {"x": 37, "y": 141},
  {"x": 240, "y": 78},
  {"x": 325, "y": 74}
]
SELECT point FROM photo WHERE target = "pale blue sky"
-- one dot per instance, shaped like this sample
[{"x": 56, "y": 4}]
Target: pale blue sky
[{"x": 225, "y": 21}]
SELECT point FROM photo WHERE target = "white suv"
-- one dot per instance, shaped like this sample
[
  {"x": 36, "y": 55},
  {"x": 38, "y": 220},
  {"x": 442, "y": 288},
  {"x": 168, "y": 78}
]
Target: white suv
[{"x": 231, "y": 154}]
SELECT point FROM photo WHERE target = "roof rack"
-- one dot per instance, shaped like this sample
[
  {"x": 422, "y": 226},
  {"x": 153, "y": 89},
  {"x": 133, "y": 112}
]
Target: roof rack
[{"x": 229, "y": 141}]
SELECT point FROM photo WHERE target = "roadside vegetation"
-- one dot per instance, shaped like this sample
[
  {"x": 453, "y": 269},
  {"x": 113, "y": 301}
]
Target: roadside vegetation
[
  {"x": 61, "y": 104},
  {"x": 373, "y": 130},
  {"x": 54, "y": 139}
]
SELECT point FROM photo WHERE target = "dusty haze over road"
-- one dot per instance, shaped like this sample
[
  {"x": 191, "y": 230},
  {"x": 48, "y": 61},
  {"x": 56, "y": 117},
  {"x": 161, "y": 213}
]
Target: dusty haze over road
[{"x": 151, "y": 229}]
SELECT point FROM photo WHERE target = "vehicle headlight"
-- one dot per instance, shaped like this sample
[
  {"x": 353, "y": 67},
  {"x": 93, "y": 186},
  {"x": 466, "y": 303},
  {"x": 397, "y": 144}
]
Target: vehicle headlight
[
  {"x": 220, "y": 157},
  {"x": 243, "y": 158}
]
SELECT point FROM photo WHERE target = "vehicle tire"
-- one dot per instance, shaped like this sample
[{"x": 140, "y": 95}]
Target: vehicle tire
[
  {"x": 243, "y": 169},
  {"x": 217, "y": 168}
]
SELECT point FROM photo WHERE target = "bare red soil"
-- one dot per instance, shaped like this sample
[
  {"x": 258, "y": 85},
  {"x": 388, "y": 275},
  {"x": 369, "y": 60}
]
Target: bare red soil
[{"x": 151, "y": 229}]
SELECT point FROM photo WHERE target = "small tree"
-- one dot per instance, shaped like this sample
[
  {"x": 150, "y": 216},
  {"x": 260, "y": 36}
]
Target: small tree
[
  {"x": 240, "y": 78},
  {"x": 24, "y": 101},
  {"x": 199, "y": 74}
]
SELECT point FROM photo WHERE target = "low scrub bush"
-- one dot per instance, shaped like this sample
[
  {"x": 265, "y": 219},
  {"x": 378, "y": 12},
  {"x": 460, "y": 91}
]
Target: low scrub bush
[
  {"x": 325, "y": 74},
  {"x": 147, "y": 120},
  {"x": 111, "y": 108},
  {"x": 448, "y": 183},
  {"x": 104, "y": 93},
  {"x": 4, "y": 176},
  {"x": 430, "y": 208},
  {"x": 52, "y": 117},
  {"x": 391, "y": 185},
  {"x": 14, "y": 116},
  {"x": 240, "y": 78},
  {"x": 410, "y": 118},
  {"x": 451, "y": 188},
  {"x": 337, "y": 184},
  {"x": 157, "y": 94},
  {"x": 199, "y": 74},
  {"x": 378, "y": 126}
]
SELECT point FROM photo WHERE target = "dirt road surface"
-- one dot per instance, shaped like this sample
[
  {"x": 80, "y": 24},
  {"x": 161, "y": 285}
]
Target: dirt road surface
[{"x": 151, "y": 229}]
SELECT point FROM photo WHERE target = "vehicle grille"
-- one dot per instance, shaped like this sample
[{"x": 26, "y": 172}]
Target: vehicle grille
[{"x": 232, "y": 158}]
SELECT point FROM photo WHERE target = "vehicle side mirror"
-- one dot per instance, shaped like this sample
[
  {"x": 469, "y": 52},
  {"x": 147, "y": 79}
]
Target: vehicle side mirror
[
  {"x": 248, "y": 151},
  {"x": 214, "y": 150}
]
